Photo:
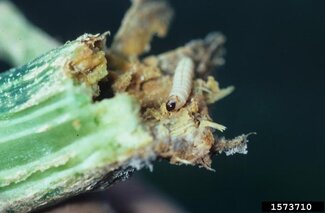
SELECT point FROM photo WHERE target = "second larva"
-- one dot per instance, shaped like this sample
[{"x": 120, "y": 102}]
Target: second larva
[{"x": 182, "y": 84}]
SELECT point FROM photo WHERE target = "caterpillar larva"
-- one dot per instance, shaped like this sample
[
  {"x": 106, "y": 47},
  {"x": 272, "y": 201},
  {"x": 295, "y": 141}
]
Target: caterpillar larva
[{"x": 182, "y": 84}]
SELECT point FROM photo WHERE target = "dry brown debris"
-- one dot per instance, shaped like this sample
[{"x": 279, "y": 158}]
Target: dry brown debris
[{"x": 143, "y": 20}]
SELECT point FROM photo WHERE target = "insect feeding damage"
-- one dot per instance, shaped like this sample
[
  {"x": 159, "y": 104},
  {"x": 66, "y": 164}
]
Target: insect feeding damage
[
  {"x": 142, "y": 126},
  {"x": 89, "y": 64},
  {"x": 178, "y": 118}
]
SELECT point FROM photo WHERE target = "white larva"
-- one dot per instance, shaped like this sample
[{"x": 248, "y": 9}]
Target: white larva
[{"x": 182, "y": 84}]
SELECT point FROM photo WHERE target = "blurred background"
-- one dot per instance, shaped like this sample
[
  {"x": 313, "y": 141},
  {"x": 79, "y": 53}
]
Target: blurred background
[{"x": 275, "y": 58}]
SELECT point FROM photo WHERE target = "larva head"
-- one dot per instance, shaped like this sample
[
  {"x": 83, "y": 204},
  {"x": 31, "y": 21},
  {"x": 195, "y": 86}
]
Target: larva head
[
  {"x": 170, "y": 105},
  {"x": 173, "y": 103}
]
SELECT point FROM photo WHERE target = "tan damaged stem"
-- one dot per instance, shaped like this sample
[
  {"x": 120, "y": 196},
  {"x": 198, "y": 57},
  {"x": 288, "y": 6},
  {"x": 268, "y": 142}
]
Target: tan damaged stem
[{"x": 142, "y": 21}]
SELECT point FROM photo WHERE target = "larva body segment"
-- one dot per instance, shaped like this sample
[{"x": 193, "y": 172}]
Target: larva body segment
[{"x": 182, "y": 84}]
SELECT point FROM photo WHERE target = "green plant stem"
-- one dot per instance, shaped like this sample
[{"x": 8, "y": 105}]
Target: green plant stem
[
  {"x": 21, "y": 41},
  {"x": 54, "y": 140}
]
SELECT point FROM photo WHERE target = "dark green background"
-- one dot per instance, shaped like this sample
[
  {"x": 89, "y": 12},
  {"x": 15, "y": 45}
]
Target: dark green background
[{"x": 275, "y": 58}]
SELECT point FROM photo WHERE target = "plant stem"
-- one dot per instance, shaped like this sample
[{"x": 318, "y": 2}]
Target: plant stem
[
  {"x": 54, "y": 140},
  {"x": 21, "y": 41}
]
